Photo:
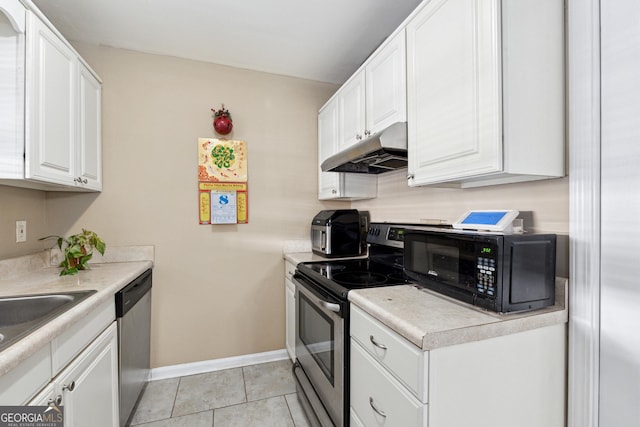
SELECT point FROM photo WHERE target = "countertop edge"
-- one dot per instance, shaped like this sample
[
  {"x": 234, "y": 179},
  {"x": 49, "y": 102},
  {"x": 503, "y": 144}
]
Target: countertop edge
[
  {"x": 491, "y": 324},
  {"x": 13, "y": 355}
]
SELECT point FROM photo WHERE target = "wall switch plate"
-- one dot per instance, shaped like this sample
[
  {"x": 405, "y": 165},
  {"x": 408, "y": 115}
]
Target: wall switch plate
[{"x": 21, "y": 231}]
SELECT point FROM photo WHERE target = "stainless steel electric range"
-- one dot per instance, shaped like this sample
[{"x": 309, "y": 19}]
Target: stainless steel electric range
[{"x": 322, "y": 320}]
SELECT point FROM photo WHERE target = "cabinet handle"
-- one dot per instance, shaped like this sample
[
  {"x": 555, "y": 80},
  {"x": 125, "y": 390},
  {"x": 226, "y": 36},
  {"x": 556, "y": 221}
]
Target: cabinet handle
[
  {"x": 411, "y": 176},
  {"x": 80, "y": 180},
  {"x": 84, "y": 181},
  {"x": 376, "y": 410},
  {"x": 358, "y": 137},
  {"x": 333, "y": 191},
  {"x": 367, "y": 132},
  {"x": 376, "y": 343},
  {"x": 69, "y": 387}
]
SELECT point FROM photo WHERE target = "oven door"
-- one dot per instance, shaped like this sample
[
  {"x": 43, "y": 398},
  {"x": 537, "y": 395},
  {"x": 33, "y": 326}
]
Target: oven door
[{"x": 320, "y": 351}]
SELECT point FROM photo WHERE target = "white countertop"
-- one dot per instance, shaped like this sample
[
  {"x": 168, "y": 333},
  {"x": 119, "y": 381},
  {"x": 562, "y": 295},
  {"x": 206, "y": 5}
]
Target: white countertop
[
  {"x": 431, "y": 320},
  {"x": 106, "y": 279}
]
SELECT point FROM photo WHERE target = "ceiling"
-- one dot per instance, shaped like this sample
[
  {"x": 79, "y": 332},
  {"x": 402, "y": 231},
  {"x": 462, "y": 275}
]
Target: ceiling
[{"x": 324, "y": 40}]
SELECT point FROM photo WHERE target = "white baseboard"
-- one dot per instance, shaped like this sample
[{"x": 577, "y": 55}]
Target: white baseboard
[{"x": 216, "y": 364}]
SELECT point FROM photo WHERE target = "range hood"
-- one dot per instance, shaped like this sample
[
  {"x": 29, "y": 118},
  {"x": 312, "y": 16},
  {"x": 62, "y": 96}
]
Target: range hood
[{"x": 381, "y": 152}]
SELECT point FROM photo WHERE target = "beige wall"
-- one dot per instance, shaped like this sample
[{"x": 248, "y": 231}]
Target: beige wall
[
  {"x": 548, "y": 200},
  {"x": 218, "y": 290},
  {"x": 18, "y": 204}
]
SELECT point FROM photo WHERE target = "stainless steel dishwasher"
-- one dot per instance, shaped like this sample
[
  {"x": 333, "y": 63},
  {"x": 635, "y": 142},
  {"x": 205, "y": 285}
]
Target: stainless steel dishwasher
[{"x": 133, "y": 313}]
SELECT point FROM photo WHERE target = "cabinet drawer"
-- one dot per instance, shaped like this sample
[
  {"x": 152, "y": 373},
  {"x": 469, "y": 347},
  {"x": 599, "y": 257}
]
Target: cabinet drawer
[
  {"x": 71, "y": 342},
  {"x": 377, "y": 398},
  {"x": 404, "y": 360},
  {"x": 28, "y": 378}
]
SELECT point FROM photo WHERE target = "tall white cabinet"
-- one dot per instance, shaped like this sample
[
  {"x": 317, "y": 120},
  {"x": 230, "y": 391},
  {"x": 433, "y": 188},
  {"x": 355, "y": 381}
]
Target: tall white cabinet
[{"x": 485, "y": 92}]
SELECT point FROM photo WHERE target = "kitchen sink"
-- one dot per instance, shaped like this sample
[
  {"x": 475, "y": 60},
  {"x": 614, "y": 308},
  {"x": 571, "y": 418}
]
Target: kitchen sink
[{"x": 21, "y": 315}]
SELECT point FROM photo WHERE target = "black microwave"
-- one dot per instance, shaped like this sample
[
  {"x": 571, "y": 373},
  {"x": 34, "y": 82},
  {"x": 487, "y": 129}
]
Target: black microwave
[{"x": 498, "y": 272}]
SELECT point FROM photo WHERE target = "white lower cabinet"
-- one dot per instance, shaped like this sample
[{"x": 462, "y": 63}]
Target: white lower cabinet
[
  {"x": 377, "y": 397},
  {"x": 78, "y": 369},
  {"x": 290, "y": 309},
  {"x": 516, "y": 379},
  {"x": 89, "y": 385},
  {"x": 87, "y": 389}
]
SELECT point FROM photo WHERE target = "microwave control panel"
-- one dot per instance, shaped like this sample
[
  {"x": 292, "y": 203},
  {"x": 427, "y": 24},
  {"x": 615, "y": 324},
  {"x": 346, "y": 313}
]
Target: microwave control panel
[{"x": 486, "y": 270}]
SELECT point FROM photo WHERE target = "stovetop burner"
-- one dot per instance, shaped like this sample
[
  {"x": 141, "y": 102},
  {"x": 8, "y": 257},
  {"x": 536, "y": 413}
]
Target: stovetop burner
[
  {"x": 360, "y": 279},
  {"x": 341, "y": 276}
]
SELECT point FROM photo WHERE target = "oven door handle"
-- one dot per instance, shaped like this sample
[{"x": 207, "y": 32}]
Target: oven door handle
[
  {"x": 334, "y": 307},
  {"x": 330, "y": 306}
]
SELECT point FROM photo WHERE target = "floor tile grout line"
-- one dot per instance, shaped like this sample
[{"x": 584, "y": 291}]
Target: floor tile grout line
[
  {"x": 244, "y": 383},
  {"x": 175, "y": 397},
  {"x": 289, "y": 409}
]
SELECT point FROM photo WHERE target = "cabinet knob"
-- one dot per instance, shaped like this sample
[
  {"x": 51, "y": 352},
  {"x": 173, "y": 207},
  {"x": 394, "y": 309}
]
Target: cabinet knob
[
  {"x": 333, "y": 191},
  {"x": 411, "y": 176},
  {"x": 80, "y": 180},
  {"x": 367, "y": 132},
  {"x": 56, "y": 401},
  {"x": 69, "y": 387},
  {"x": 358, "y": 137}
]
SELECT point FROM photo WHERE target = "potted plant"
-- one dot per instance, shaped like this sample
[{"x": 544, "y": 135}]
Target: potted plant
[{"x": 78, "y": 250}]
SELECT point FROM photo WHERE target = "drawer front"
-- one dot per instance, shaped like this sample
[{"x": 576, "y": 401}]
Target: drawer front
[
  {"x": 72, "y": 341},
  {"x": 377, "y": 398},
  {"x": 404, "y": 360},
  {"x": 289, "y": 269}
]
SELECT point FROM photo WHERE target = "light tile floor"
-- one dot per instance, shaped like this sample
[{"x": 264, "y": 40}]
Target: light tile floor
[{"x": 261, "y": 395}]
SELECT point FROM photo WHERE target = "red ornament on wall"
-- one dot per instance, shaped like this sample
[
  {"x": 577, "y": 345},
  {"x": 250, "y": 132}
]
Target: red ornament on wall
[{"x": 222, "y": 122}]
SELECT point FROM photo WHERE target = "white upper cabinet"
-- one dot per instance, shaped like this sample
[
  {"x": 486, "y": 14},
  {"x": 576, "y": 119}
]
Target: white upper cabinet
[
  {"x": 89, "y": 152},
  {"x": 51, "y": 105},
  {"x": 485, "y": 92},
  {"x": 351, "y": 110},
  {"x": 51, "y": 140},
  {"x": 386, "y": 86},
  {"x": 12, "y": 61},
  {"x": 338, "y": 185},
  {"x": 374, "y": 97}
]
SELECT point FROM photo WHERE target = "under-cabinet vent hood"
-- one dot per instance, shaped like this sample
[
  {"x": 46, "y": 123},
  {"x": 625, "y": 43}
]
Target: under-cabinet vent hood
[{"x": 381, "y": 152}]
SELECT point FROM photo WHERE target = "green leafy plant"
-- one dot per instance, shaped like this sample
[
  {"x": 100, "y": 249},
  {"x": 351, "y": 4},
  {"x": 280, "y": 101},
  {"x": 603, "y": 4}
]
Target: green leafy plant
[{"x": 78, "y": 250}]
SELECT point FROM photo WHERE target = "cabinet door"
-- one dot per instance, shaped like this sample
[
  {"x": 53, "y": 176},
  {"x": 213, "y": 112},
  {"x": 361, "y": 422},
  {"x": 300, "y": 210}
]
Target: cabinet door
[
  {"x": 386, "y": 87},
  {"x": 90, "y": 142},
  {"x": 51, "y": 89},
  {"x": 12, "y": 54},
  {"x": 89, "y": 385},
  {"x": 327, "y": 146},
  {"x": 351, "y": 111},
  {"x": 454, "y": 91}
]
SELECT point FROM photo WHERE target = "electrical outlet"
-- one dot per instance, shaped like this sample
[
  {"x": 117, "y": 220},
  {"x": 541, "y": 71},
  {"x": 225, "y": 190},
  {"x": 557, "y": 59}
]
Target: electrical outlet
[{"x": 21, "y": 231}]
